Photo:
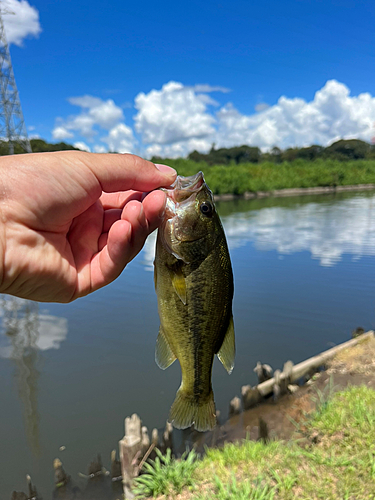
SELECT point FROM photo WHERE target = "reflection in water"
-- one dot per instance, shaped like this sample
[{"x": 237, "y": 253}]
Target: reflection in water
[
  {"x": 23, "y": 332},
  {"x": 295, "y": 225}
]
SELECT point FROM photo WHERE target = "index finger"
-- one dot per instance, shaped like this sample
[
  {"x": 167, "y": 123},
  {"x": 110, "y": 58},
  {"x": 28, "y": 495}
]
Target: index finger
[{"x": 121, "y": 172}]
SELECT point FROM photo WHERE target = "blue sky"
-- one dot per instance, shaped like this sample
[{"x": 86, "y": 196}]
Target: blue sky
[{"x": 168, "y": 77}]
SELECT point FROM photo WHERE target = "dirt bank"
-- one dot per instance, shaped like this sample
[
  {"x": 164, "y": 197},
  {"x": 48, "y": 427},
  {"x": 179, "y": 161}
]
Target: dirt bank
[{"x": 352, "y": 366}]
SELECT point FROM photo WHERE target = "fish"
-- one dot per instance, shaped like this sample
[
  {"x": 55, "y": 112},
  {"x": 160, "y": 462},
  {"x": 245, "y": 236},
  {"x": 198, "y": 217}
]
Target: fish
[{"x": 194, "y": 287}]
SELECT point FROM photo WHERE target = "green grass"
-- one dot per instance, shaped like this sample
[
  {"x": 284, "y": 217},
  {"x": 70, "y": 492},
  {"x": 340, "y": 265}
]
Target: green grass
[
  {"x": 267, "y": 176},
  {"x": 340, "y": 466},
  {"x": 165, "y": 475}
]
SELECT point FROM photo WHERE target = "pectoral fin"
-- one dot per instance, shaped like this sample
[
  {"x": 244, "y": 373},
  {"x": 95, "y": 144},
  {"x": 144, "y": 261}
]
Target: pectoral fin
[
  {"x": 179, "y": 284},
  {"x": 164, "y": 356},
  {"x": 227, "y": 350}
]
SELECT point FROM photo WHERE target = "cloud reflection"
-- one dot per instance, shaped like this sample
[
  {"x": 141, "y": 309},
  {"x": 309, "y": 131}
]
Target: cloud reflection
[
  {"x": 327, "y": 230},
  {"x": 21, "y": 320},
  {"x": 24, "y": 331}
]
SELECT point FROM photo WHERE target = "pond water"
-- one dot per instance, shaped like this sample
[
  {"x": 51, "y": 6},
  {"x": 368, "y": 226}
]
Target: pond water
[{"x": 304, "y": 279}]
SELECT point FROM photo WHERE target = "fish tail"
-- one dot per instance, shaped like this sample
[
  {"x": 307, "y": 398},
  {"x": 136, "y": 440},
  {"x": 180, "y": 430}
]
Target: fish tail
[{"x": 186, "y": 411}]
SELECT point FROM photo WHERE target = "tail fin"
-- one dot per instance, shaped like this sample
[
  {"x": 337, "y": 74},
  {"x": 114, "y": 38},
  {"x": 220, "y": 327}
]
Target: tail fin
[{"x": 186, "y": 412}]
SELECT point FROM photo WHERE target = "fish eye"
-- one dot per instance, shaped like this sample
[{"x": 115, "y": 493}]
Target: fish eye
[{"x": 206, "y": 208}]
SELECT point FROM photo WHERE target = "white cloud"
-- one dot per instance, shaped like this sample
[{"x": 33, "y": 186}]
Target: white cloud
[
  {"x": 332, "y": 114},
  {"x": 261, "y": 106},
  {"x": 21, "y": 21},
  {"x": 83, "y": 146},
  {"x": 95, "y": 115},
  {"x": 178, "y": 149},
  {"x": 172, "y": 115},
  {"x": 210, "y": 88},
  {"x": 60, "y": 133},
  {"x": 98, "y": 112},
  {"x": 176, "y": 119},
  {"x": 100, "y": 149},
  {"x": 120, "y": 139}
]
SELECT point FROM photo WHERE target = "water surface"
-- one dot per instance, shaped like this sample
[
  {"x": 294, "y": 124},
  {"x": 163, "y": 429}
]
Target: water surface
[{"x": 70, "y": 374}]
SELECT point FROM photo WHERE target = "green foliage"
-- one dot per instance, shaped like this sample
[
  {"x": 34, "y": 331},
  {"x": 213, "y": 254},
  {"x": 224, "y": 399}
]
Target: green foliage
[
  {"x": 40, "y": 146},
  {"x": 226, "y": 156},
  {"x": 342, "y": 150},
  {"x": 355, "y": 406},
  {"x": 247, "y": 490},
  {"x": 37, "y": 146},
  {"x": 352, "y": 149},
  {"x": 165, "y": 475},
  {"x": 268, "y": 176},
  {"x": 323, "y": 397},
  {"x": 249, "y": 451}
]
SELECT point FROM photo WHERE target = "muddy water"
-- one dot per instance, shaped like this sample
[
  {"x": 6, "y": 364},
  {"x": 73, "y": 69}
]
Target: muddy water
[{"x": 304, "y": 278}]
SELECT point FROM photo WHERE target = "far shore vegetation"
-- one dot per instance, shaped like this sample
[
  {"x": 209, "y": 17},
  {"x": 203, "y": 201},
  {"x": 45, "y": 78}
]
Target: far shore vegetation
[{"x": 247, "y": 169}]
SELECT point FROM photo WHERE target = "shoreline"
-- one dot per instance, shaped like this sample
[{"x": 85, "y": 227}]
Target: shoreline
[{"x": 294, "y": 192}]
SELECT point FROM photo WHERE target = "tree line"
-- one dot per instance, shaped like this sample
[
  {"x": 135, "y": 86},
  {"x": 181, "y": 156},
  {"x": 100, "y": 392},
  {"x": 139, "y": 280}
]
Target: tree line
[
  {"x": 342, "y": 150},
  {"x": 37, "y": 146}
]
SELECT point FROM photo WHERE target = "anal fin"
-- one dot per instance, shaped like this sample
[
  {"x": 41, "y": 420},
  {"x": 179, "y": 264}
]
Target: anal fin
[
  {"x": 164, "y": 356},
  {"x": 227, "y": 350}
]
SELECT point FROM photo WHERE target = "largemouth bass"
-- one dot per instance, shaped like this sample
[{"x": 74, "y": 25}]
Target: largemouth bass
[{"x": 194, "y": 287}]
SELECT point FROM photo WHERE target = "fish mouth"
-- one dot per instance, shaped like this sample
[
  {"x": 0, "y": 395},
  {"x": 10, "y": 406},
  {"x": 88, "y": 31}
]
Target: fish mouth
[
  {"x": 184, "y": 188},
  {"x": 191, "y": 183}
]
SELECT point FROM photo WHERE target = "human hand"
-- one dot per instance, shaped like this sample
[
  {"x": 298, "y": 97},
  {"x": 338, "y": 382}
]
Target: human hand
[{"x": 71, "y": 221}]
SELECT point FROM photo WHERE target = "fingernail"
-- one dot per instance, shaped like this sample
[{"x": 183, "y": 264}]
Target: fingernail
[{"x": 165, "y": 169}]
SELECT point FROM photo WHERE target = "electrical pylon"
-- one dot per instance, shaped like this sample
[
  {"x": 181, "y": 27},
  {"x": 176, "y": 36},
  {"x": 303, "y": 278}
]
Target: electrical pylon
[{"x": 12, "y": 124}]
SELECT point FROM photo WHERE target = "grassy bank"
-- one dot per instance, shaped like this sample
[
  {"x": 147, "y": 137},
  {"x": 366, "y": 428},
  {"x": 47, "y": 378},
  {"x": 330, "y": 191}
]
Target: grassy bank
[
  {"x": 267, "y": 176},
  {"x": 338, "y": 463}
]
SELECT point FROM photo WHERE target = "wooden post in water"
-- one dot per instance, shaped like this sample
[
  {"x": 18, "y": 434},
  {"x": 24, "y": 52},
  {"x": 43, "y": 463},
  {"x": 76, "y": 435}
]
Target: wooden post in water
[
  {"x": 18, "y": 495},
  {"x": 234, "y": 407},
  {"x": 216, "y": 429},
  {"x": 286, "y": 380},
  {"x": 61, "y": 477},
  {"x": 130, "y": 452},
  {"x": 168, "y": 438},
  {"x": 294, "y": 373},
  {"x": 250, "y": 396},
  {"x": 276, "y": 386},
  {"x": 33, "y": 495},
  {"x": 263, "y": 430},
  {"x": 115, "y": 467},
  {"x": 96, "y": 467}
]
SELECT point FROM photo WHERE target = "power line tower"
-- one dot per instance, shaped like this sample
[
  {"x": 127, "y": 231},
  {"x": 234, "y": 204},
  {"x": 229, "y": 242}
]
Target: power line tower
[{"x": 12, "y": 124}]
